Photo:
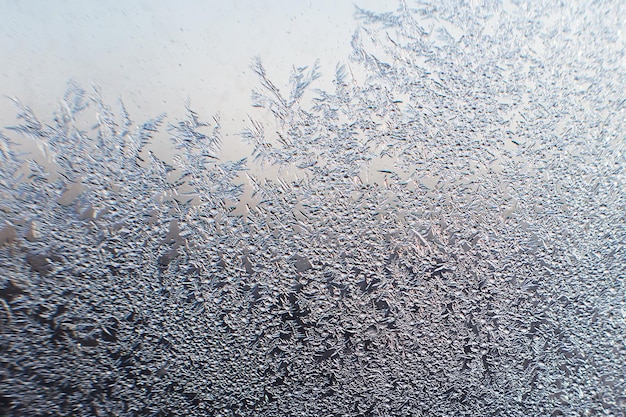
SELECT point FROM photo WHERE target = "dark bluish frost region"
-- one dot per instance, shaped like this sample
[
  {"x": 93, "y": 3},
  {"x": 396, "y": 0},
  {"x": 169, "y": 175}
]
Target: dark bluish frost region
[{"x": 453, "y": 244}]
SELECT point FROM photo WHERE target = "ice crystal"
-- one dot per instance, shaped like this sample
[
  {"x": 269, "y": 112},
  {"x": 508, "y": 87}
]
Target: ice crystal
[{"x": 453, "y": 243}]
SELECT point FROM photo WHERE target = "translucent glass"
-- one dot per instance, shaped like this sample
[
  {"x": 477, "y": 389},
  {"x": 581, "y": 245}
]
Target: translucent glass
[{"x": 439, "y": 233}]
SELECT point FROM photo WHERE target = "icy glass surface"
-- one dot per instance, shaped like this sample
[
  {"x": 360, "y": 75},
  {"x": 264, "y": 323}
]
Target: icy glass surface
[{"x": 441, "y": 234}]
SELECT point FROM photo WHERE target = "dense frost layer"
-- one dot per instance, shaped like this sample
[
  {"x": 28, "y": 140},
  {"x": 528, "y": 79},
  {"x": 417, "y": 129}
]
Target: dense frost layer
[{"x": 453, "y": 245}]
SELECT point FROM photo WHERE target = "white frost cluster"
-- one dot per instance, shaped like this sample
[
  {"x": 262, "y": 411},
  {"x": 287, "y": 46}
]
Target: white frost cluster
[{"x": 453, "y": 245}]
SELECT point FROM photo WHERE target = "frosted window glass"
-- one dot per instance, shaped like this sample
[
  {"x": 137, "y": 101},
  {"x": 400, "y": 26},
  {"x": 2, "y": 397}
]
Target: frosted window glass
[{"x": 440, "y": 232}]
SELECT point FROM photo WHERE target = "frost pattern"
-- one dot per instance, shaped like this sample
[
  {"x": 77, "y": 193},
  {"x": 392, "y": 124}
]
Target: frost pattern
[{"x": 453, "y": 245}]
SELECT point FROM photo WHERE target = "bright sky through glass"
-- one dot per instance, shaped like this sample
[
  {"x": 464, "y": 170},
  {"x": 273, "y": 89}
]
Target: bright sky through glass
[{"x": 157, "y": 54}]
